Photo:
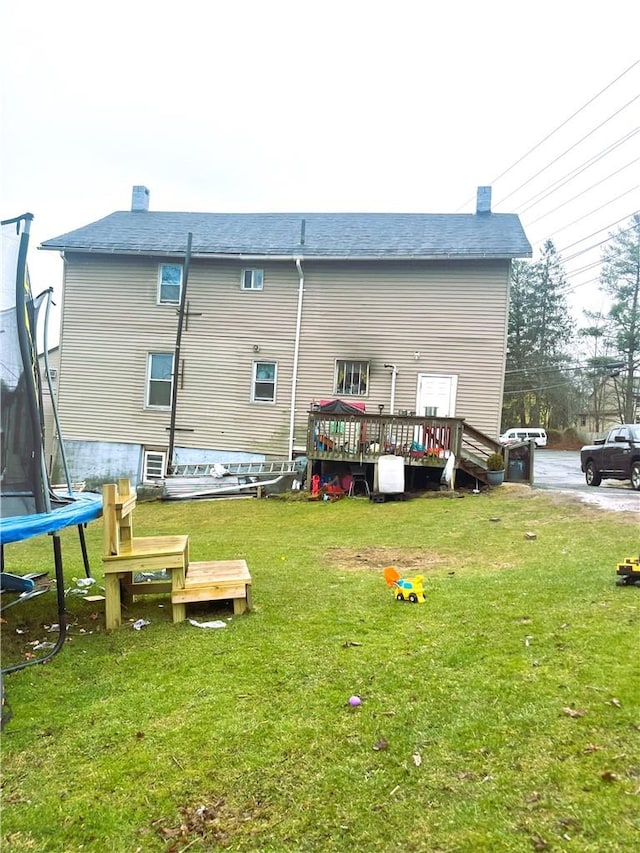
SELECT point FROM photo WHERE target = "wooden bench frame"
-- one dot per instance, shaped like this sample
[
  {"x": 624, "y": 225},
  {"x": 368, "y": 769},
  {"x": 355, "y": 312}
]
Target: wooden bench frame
[
  {"x": 125, "y": 555},
  {"x": 216, "y": 580}
]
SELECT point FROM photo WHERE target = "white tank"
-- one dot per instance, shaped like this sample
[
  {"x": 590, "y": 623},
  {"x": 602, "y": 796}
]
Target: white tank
[{"x": 390, "y": 475}]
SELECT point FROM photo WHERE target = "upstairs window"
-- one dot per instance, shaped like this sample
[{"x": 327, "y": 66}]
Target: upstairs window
[
  {"x": 352, "y": 378},
  {"x": 264, "y": 382},
  {"x": 159, "y": 379},
  {"x": 169, "y": 284},
  {"x": 252, "y": 279}
]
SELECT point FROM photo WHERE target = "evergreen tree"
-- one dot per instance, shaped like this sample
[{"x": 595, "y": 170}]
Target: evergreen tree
[
  {"x": 620, "y": 279},
  {"x": 540, "y": 331}
]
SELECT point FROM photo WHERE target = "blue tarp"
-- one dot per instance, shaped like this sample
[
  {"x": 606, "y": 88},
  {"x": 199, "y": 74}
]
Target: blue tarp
[{"x": 84, "y": 507}]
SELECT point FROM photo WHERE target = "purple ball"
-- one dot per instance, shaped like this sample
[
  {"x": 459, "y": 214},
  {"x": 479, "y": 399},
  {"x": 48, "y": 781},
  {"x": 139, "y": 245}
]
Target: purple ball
[{"x": 354, "y": 701}]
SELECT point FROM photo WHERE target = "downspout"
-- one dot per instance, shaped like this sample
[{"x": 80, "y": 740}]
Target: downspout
[
  {"x": 296, "y": 355},
  {"x": 394, "y": 373}
]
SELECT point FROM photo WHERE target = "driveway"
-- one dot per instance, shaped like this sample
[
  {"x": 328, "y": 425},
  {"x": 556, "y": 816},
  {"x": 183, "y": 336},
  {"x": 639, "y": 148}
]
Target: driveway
[{"x": 560, "y": 470}]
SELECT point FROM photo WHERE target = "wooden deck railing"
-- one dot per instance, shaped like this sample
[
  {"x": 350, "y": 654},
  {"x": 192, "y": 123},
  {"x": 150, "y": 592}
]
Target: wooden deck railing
[
  {"x": 421, "y": 441},
  {"x": 364, "y": 438}
]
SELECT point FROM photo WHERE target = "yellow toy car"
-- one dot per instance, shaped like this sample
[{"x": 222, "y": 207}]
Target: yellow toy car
[
  {"x": 404, "y": 589},
  {"x": 628, "y": 572}
]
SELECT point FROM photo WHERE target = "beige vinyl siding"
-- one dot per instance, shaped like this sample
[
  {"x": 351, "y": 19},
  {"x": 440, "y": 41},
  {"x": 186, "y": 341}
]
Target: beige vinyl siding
[
  {"x": 111, "y": 322},
  {"x": 48, "y": 403},
  {"x": 453, "y": 313}
]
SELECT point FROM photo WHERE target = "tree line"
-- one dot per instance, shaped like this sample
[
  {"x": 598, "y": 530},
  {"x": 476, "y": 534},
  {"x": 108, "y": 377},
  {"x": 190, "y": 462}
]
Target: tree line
[{"x": 558, "y": 374}]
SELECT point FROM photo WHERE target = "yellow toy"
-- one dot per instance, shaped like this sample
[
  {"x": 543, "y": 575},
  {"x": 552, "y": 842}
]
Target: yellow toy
[
  {"x": 628, "y": 572},
  {"x": 404, "y": 589}
]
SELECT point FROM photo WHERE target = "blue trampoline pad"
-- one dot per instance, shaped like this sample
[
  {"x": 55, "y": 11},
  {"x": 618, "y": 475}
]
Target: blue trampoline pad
[{"x": 84, "y": 507}]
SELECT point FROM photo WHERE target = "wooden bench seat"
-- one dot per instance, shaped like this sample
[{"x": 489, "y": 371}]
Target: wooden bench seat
[
  {"x": 215, "y": 580},
  {"x": 149, "y": 554}
]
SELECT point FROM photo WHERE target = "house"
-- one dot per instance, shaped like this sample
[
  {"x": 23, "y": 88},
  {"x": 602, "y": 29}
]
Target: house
[
  {"x": 605, "y": 406},
  {"x": 402, "y": 313}
]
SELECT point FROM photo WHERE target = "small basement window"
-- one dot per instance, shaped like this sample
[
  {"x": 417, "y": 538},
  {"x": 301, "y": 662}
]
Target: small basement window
[{"x": 155, "y": 464}]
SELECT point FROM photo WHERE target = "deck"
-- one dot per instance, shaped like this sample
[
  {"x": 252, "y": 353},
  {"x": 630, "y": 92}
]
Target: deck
[{"x": 423, "y": 442}]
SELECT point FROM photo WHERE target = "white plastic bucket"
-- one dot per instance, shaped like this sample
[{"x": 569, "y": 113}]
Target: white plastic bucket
[{"x": 390, "y": 475}]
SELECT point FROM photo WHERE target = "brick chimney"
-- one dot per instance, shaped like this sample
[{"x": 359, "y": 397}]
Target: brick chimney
[
  {"x": 140, "y": 200},
  {"x": 483, "y": 202}
]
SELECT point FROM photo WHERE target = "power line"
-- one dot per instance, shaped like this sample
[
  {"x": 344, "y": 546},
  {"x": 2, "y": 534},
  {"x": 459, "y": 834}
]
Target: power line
[
  {"x": 595, "y": 245},
  {"x": 593, "y": 234},
  {"x": 559, "y": 127},
  {"x": 567, "y": 368},
  {"x": 588, "y": 249},
  {"x": 541, "y": 388},
  {"x": 566, "y": 179},
  {"x": 572, "y": 273},
  {"x": 585, "y": 268},
  {"x": 595, "y": 210},
  {"x": 570, "y": 148},
  {"x": 584, "y": 192},
  {"x": 581, "y": 284}
]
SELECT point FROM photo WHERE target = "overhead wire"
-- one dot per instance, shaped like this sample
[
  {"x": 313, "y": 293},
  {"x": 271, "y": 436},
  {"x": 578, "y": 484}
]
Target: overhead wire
[
  {"x": 570, "y": 148},
  {"x": 553, "y": 368},
  {"x": 583, "y": 192},
  {"x": 595, "y": 210},
  {"x": 540, "y": 388},
  {"x": 580, "y": 284},
  {"x": 578, "y": 170},
  {"x": 559, "y": 127},
  {"x": 570, "y": 284},
  {"x": 593, "y": 234}
]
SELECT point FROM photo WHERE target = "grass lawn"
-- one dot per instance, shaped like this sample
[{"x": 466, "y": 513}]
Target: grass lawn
[{"x": 500, "y": 715}]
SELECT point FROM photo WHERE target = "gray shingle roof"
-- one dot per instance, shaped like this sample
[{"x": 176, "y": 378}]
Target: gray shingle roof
[{"x": 326, "y": 235}]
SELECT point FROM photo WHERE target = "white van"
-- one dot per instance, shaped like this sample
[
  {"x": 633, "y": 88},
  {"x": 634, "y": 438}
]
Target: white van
[{"x": 524, "y": 434}]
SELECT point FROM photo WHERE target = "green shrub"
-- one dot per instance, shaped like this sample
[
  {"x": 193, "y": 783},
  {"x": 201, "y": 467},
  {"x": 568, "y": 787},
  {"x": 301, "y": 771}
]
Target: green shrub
[{"x": 495, "y": 462}]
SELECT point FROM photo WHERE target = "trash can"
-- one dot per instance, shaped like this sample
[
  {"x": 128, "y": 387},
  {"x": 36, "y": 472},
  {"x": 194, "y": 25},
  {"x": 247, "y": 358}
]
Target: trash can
[{"x": 516, "y": 470}]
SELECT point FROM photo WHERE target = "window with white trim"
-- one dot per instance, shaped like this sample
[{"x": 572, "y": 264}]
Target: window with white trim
[
  {"x": 352, "y": 378},
  {"x": 263, "y": 385},
  {"x": 252, "y": 279},
  {"x": 155, "y": 465},
  {"x": 169, "y": 284},
  {"x": 159, "y": 379}
]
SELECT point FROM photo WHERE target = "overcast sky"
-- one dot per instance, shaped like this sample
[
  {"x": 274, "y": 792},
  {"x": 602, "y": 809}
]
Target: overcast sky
[{"x": 332, "y": 106}]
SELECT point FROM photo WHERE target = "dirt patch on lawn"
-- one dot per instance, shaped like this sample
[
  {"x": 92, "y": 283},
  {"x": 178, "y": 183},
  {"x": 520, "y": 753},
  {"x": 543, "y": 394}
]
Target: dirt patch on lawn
[{"x": 375, "y": 559}]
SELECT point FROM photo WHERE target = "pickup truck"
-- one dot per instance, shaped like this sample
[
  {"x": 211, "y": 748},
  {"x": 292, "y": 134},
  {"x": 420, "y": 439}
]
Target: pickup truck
[{"x": 616, "y": 457}]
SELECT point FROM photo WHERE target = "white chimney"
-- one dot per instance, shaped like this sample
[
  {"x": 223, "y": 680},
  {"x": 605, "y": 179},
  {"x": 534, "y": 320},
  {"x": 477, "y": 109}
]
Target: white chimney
[
  {"x": 483, "y": 203},
  {"x": 140, "y": 200}
]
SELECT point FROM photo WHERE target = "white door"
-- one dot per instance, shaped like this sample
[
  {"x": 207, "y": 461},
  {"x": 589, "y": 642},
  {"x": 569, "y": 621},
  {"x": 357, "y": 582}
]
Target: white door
[
  {"x": 437, "y": 391},
  {"x": 436, "y": 398}
]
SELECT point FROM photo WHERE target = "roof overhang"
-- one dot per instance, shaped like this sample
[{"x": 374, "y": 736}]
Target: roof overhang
[{"x": 244, "y": 256}]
